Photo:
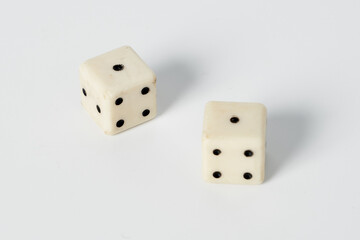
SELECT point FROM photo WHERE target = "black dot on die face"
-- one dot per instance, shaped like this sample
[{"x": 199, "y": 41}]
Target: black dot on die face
[
  {"x": 217, "y": 174},
  {"x": 216, "y": 152},
  {"x": 120, "y": 123},
  {"x": 145, "y": 91},
  {"x": 248, "y": 153},
  {"x": 118, "y": 67},
  {"x": 98, "y": 108},
  {"x": 247, "y": 176},
  {"x": 146, "y": 112},
  {"x": 234, "y": 119},
  {"x": 84, "y": 92},
  {"x": 118, "y": 101}
]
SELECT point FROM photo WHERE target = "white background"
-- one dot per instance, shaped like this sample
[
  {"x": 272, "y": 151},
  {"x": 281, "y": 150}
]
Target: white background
[{"x": 62, "y": 178}]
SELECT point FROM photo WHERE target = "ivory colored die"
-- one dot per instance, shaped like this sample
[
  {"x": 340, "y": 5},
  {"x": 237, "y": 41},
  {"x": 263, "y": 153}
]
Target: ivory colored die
[
  {"x": 233, "y": 143},
  {"x": 118, "y": 90}
]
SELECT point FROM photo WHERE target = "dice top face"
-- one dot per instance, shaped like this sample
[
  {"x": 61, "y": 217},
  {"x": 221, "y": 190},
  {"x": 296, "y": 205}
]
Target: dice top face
[
  {"x": 118, "y": 90},
  {"x": 233, "y": 143},
  {"x": 117, "y": 71},
  {"x": 235, "y": 120}
]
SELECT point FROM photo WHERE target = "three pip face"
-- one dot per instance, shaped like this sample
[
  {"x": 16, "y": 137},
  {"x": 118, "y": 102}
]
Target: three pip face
[{"x": 119, "y": 92}]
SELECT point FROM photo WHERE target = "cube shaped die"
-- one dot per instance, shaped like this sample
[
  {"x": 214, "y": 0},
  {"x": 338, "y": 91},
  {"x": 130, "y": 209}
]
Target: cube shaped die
[
  {"x": 233, "y": 143},
  {"x": 118, "y": 90}
]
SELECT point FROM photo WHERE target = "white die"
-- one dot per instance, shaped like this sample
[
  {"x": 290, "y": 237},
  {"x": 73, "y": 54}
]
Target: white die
[
  {"x": 118, "y": 90},
  {"x": 233, "y": 143}
]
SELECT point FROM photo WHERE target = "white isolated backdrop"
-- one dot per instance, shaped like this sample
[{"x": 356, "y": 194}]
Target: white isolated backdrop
[{"x": 62, "y": 178}]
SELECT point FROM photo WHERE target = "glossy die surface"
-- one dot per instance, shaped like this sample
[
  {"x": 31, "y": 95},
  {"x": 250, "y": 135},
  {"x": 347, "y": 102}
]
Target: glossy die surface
[
  {"x": 118, "y": 90},
  {"x": 233, "y": 143}
]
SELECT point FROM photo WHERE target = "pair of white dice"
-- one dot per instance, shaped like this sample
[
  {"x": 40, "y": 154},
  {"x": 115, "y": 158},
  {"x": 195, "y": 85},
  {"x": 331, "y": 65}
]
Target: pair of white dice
[{"x": 119, "y": 92}]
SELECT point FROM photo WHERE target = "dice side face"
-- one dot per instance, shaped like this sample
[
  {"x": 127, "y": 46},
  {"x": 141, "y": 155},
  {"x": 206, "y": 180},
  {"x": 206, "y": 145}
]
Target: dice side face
[
  {"x": 233, "y": 165},
  {"x": 133, "y": 107},
  {"x": 96, "y": 105},
  {"x": 234, "y": 153},
  {"x": 122, "y": 86}
]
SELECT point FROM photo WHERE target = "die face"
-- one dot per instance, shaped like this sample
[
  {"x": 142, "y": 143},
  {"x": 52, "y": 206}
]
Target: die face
[
  {"x": 233, "y": 143},
  {"x": 233, "y": 161},
  {"x": 118, "y": 90},
  {"x": 96, "y": 105},
  {"x": 133, "y": 107},
  {"x": 116, "y": 71},
  {"x": 233, "y": 120}
]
